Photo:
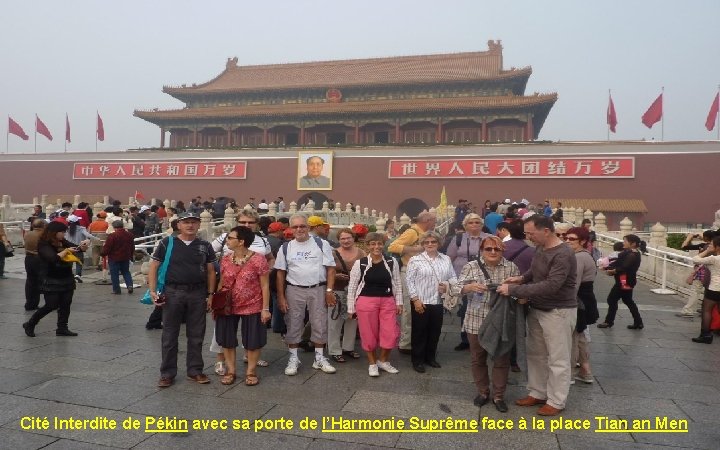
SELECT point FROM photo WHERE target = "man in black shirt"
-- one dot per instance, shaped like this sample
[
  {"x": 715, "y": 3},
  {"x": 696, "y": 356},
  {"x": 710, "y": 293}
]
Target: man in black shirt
[{"x": 189, "y": 281}]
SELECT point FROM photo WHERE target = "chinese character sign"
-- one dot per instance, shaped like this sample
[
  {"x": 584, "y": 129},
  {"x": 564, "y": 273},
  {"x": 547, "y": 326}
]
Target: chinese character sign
[
  {"x": 595, "y": 167},
  {"x": 158, "y": 170}
]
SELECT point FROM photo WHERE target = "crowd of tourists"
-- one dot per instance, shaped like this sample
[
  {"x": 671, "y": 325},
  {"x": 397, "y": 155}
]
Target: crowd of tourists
[{"x": 522, "y": 282}]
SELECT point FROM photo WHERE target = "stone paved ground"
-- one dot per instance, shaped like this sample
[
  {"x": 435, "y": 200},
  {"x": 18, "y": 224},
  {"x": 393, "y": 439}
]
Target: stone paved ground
[{"x": 110, "y": 370}]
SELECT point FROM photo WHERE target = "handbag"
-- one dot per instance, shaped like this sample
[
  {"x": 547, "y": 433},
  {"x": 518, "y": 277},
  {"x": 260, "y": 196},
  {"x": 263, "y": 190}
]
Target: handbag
[
  {"x": 9, "y": 250},
  {"x": 221, "y": 301},
  {"x": 162, "y": 271}
]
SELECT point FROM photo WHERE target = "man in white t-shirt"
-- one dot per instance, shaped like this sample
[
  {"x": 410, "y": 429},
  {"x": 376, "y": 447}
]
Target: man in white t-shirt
[{"x": 305, "y": 277}]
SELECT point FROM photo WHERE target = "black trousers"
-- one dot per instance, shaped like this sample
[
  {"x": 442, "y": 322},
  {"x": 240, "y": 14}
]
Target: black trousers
[
  {"x": 32, "y": 282},
  {"x": 426, "y": 328},
  {"x": 155, "y": 319},
  {"x": 55, "y": 300},
  {"x": 616, "y": 294},
  {"x": 191, "y": 306}
]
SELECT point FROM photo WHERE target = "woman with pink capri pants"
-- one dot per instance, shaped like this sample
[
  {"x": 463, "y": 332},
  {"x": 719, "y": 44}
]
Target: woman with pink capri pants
[{"x": 375, "y": 298}]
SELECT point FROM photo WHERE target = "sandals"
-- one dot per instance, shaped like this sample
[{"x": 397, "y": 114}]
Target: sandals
[
  {"x": 351, "y": 353},
  {"x": 251, "y": 380},
  {"x": 338, "y": 358},
  {"x": 228, "y": 379},
  {"x": 260, "y": 363}
]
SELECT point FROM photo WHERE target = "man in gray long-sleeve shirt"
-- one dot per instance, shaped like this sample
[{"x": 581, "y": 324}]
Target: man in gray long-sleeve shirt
[{"x": 550, "y": 287}]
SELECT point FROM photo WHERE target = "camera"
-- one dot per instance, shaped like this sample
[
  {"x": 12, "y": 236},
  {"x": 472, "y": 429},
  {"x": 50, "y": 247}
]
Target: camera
[
  {"x": 492, "y": 286},
  {"x": 162, "y": 298}
]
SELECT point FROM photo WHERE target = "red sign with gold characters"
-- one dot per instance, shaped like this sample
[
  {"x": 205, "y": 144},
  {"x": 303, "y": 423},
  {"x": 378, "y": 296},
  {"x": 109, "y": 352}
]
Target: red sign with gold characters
[
  {"x": 160, "y": 170},
  {"x": 333, "y": 95},
  {"x": 573, "y": 167}
]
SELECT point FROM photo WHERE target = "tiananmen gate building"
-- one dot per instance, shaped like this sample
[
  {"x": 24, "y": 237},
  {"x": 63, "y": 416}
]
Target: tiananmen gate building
[{"x": 430, "y": 99}]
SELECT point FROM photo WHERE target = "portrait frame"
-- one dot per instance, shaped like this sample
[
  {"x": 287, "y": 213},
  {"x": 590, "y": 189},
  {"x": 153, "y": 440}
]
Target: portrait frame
[{"x": 307, "y": 181}]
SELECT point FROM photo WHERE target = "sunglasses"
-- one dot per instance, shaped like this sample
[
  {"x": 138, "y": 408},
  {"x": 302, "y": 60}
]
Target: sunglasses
[
  {"x": 492, "y": 249},
  {"x": 561, "y": 236},
  {"x": 573, "y": 239},
  {"x": 474, "y": 222}
]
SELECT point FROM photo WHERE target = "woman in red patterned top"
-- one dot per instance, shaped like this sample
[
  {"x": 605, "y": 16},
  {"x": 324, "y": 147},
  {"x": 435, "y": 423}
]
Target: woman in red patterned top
[{"x": 246, "y": 274}]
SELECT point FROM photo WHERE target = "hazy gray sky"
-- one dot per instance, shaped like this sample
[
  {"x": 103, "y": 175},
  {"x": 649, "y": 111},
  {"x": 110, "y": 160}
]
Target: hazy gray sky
[{"x": 82, "y": 56}]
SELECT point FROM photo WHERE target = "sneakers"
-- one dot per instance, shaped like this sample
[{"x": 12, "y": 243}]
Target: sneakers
[
  {"x": 584, "y": 378},
  {"x": 324, "y": 365},
  {"x": 373, "y": 370},
  {"x": 686, "y": 315},
  {"x": 220, "y": 368},
  {"x": 387, "y": 367},
  {"x": 292, "y": 366},
  {"x": 78, "y": 279}
]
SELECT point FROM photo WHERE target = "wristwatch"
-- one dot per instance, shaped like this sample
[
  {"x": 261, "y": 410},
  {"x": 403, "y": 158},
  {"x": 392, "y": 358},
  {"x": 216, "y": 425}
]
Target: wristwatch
[{"x": 328, "y": 290}]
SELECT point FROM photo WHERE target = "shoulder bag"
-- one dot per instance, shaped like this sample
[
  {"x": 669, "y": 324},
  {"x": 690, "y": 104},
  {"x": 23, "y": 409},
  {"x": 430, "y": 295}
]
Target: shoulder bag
[
  {"x": 221, "y": 302},
  {"x": 162, "y": 271}
]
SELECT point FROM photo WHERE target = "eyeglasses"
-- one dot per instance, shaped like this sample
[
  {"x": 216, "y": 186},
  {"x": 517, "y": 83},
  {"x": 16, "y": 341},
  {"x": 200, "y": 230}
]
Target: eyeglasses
[
  {"x": 430, "y": 243},
  {"x": 230, "y": 238},
  {"x": 561, "y": 236},
  {"x": 246, "y": 222},
  {"x": 299, "y": 227},
  {"x": 492, "y": 249},
  {"x": 573, "y": 239},
  {"x": 474, "y": 222}
]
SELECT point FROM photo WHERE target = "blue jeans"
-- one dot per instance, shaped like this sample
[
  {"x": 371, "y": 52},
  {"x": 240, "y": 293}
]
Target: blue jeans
[{"x": 116, "y": 268}]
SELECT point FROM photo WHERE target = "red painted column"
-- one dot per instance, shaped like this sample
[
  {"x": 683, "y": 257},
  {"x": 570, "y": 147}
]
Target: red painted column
[
  {"x": 398, "y": 137},
  {"x": 229, "y": 138},
  {"x": 357, "y": 134},
  {"x": 195, "y": 137},
  {"x": 484, "y": 130},
  {"x": 439, "y": 134},
  {"x": 162, "y": 137},
  {"x": 302, "y": 135},
  {"x": 530, "y": 132},
  {"x": 265, "y": 137}
]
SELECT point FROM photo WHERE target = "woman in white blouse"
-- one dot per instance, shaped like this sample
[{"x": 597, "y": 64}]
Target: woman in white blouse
[
  {"x": 429, "y": 275},
  {"x": 709, "y": 257}
]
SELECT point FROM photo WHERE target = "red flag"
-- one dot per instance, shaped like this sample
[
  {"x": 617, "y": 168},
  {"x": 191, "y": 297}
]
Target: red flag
[
  {"x": 41, "y": 128},
  {"x": 16, "y": 129},
  {"x": 611, "y": 116},
  {"x": 654, "y": 112},
  {"x": 139, "y": 195},
  {"x": 100, "y": 129},
  {"x": 712, "y": 115},
  {"x": 67, "y": 128}
]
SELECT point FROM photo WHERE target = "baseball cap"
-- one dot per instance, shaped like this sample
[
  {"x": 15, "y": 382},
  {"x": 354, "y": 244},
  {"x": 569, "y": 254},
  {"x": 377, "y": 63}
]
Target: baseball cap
[
  {"x": 73, "y": 218},
  {"x": 102, "y": 214},
  {"x": 118, "y": 224},
  {"x": 315, "y": 221},
  {"x": 275, "y": 226},
  {"x": 144, "y": 208},
  {"x": 507, "y": 200},
  {"x": 188, "y": 215}
]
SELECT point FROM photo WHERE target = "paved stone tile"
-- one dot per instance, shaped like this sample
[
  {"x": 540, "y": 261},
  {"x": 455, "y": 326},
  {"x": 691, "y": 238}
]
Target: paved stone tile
[
  {"x": 699, "y": 411},
  {"x": 325, "y": 444},
  {"x": 14, "y": 407},
  {"x": 87, "y": 392},
  {"x": 82, "y": 368},
  {"x": 482, "y": 439},
  {"x": 683, "y": 377},
  {"x": 67, "y": 444},
  {"x": 225, "y": 439},
  {"x": 406, "y": 405},
  {"x": 284, "y": 393},
  {"x": 702, "y": 365},
  {"x": 14, "y": 439},
  {"x": 688, "y": 352},
  {"x": 635, "y": 406},
  {"x": 169, "y": 402},
  {"x": 12, "y": 359},
  {"x": 620, "y": 372},
  {"x": 686, "y": 343},
  {"x": 296, "y": 414},
  {"x": 660, "y": 390},
  {"x": 669, "y": 362},
  {"x": 119, "y": 438},
  {"x": 77, "y": 349},
  {"x": 600, "y": 442},
  {"x": 701, "y": 435},
  {"x": 607, "y": 337},
  {"x": 16, "y": 380},
  {"x": 22, "y": 342}
]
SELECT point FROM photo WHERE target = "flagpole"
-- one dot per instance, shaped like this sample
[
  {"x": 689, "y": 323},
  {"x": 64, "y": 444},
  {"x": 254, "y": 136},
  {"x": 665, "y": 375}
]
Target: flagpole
[
  {"x": 66, "y": 127},
  {"x": 35, "y": 133},
  {"x": 717, "y": 116},
  {"x": 7, "y": 137},
  {"x": 662, "y": 129},
  {"x": 96, "y": 128}
]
